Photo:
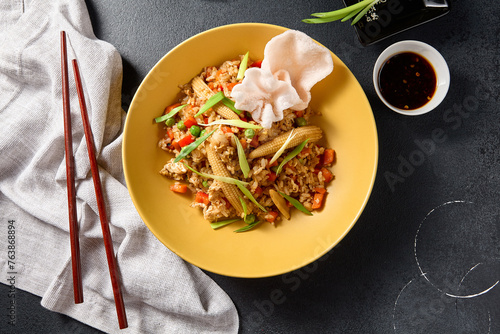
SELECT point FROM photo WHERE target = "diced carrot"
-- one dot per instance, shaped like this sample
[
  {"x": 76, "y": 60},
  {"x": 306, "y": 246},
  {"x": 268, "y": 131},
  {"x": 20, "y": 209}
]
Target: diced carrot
[
  {"x": 219, "y": 73},
  {"x": 299, "y": 113},
  {"x": 271, "y": 176},
  {"x": 271, "y": 216},
  {"x": 170, "y": 133},
  {"x": 318, "y": 200},
  {"x": 190, "y": 121},
  {"x": 255, "y": 141},
  {"x": 243, "y": 143},
  {"x": 170, "y": 107},
  {"x": 320, "y": 190},
  {"x": 231, "y": 85},
  {"x": 176, "y": 145},
  {"x": 226, "y": 129},
  {"x": 257, "y": 63},
  {"x": 178, "y": 188},
  {"x": 186, "y": 141},
  {"x": 327, "y": 174},
  {"x": 201, "y": 197},
  {"x": 258, "y": 191},
  {"x": 305, "y": 152},
  {"x": 328, "y": 157}
]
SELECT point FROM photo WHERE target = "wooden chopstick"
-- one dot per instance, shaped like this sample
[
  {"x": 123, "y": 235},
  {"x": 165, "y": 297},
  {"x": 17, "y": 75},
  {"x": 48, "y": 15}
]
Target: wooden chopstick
[
  {"x": 108, "y": 243},
  {"x": 70, "y": 178}
]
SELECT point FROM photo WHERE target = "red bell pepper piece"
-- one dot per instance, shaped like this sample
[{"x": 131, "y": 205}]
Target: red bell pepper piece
[
  {"x": 255, "y": 141},
  {"x": 271, "y": 176},
  {"x": 186, "y": 140},
  {"x": 271, "y": 216},
  {"x": 170, "y": 108},
  {"x": 201, "y": 197},
  {"x": 190, "y": 121},
  {"x": 257, "y": 63}
]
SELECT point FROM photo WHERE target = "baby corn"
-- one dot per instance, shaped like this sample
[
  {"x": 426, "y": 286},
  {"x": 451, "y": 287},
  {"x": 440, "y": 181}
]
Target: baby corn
[
  {"x": 231, "y": 191},
  {"x": 202, "y": 90},
  {"x": 311, "y": 132}
]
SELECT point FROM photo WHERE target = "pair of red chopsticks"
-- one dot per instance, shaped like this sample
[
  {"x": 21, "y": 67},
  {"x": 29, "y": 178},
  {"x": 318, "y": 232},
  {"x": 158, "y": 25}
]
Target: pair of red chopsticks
[{"x": 70, "y": 183}]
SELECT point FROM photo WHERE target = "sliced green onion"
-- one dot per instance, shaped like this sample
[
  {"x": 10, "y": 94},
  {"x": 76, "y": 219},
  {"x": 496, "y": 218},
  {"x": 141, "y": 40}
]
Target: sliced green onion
[
  {"x": 230, "y": 104},
  {"x": 363, "y": 12},
  {"x": 344, "y": 11},
  {"x": 243, "y": 67},
  {"x": 189, "y": 148},
  {"x": 282, "y": 148},
  {"x": 245, "y": 168},
  {"x": 322, "y": 19},
  {"x": 292, "y": 155},
  {"x": 344, "y": 14},
  {"x": 296, "y": 203},
  {"x": 170, "y": 114},
  {"x": 351, "y": 14},
  {"x": 229, "y": 180},
  {"x": 216, "y": 225},
  {"x": 204, "y": 183},
  {"x": 234, "y": 122},
  {"x": 213, "y": 100},
  {"x": 248, "y": 227},
  {"x": 244, "y": 206},
  {"x": 248, "y": 194}
]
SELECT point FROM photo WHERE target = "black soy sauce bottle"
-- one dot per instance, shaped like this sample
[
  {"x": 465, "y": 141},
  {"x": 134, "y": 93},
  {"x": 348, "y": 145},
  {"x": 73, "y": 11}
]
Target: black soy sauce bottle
[{"x": 389, "y": 17}]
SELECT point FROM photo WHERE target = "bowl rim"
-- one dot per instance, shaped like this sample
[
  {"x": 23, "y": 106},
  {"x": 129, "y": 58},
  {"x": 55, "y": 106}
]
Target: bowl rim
[{"x": 433, "y": 56}]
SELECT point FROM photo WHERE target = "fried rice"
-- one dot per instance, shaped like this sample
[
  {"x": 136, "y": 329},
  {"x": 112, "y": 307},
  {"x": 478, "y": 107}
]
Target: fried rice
[{"x": 302, "y": 178}]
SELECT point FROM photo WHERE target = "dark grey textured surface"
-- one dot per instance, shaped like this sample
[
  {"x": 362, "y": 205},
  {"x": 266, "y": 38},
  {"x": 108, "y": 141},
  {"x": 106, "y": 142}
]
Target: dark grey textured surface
[{"x": 445, "y": 197}]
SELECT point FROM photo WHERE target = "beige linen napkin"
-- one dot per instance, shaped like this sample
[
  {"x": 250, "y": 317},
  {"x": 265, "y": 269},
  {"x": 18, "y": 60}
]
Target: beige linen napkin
[{"x": 162, "y": 293}]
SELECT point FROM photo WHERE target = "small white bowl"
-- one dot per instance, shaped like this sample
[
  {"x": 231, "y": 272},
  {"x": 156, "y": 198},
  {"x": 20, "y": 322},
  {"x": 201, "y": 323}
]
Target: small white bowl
[{"x": 433, "y": 56}]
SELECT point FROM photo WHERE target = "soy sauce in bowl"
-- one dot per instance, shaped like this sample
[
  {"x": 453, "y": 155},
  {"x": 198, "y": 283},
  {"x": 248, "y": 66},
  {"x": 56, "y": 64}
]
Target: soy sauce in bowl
[
  {"x": 411, "y": 77},
  {"x": 407, "y": 81}
]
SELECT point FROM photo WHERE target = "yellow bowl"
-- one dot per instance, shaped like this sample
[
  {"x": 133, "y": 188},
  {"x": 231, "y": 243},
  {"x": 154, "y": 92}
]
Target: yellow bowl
[{"x": 349, "y": 128}]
